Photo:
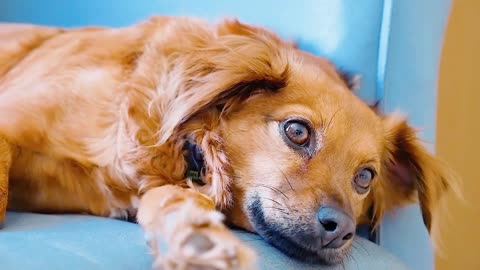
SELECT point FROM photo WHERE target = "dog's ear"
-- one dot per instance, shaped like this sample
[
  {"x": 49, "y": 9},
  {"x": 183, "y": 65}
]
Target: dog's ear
[
  {"x": 410, "y": 173},
  {"x": 351, "y": 80},
  {"x": 237, "y": 62}
]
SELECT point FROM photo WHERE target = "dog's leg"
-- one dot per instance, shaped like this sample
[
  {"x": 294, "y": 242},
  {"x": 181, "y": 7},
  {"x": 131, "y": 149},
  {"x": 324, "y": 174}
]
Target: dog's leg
[
  {"x": 193, "y": 232},
  {"x": 5, "y": 163}
]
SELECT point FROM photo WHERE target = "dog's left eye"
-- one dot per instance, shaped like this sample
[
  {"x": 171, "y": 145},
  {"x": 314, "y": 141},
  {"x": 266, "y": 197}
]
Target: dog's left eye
[
  {"x": 297, "y": 132},
  {"x": 363, "y": 179}
]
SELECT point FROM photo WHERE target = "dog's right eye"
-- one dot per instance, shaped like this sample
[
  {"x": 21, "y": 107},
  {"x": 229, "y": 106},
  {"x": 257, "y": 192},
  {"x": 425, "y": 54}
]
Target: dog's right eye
[{"x": 297, "y": 132}]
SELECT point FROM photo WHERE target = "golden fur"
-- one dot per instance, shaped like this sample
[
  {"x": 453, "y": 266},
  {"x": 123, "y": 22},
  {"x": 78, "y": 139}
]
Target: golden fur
[{"x": 93, "y": 120}]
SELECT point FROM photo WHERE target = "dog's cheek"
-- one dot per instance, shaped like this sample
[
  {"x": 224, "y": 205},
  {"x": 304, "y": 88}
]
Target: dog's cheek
[{"x": 237, "y": 214}]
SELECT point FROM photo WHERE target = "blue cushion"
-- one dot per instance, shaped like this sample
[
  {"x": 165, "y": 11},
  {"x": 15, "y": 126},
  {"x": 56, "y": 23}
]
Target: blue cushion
[{"x": 38, "y": 241}]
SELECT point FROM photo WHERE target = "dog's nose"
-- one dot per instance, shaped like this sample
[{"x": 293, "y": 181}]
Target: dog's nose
[{"x": 336, "y": 227}]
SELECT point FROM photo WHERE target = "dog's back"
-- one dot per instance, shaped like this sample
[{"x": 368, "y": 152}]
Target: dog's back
[
  {"x": 59, "y": 98},
  {"x": 18, "y": 41}
]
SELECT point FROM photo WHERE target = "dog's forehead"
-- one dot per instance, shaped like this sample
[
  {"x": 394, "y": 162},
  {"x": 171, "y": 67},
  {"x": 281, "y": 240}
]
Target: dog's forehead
[
  {"x": 332, "y": 107},
  {"x": 318, "y": 65},
  {"x": 323, "y": 93}
]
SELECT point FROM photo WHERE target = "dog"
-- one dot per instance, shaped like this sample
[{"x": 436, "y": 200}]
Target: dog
[{"x": 188, "y": 127}]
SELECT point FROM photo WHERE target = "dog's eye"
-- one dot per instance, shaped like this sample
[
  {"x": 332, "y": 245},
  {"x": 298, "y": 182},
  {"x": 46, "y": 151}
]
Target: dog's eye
[
  {"x": 297, "y": 132},
  {"x": 363, "y": 179}
]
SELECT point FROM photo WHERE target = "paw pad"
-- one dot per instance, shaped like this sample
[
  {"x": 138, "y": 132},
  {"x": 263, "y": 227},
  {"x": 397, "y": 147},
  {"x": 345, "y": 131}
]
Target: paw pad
[{"x": 197, "y": 243}]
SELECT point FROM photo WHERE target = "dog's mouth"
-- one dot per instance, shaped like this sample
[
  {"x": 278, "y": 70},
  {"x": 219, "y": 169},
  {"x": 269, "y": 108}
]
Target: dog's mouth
[{"x": 296, "y": 249}]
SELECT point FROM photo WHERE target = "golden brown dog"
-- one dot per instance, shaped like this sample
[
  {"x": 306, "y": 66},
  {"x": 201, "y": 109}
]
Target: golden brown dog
[{"x": 95, "y": 120}]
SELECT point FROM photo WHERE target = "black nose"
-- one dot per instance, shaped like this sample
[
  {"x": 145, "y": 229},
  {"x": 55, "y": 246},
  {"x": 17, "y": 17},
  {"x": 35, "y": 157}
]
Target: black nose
[{"x": 336, "y": 227}]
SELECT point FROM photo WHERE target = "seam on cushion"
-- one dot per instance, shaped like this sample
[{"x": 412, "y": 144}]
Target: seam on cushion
[
  {"x": 383, "y": 47},
  {"x": 59, "y": 246}
]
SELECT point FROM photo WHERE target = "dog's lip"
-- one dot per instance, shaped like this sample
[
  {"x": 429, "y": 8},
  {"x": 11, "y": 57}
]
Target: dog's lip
[{"x": 288, "y": 245}]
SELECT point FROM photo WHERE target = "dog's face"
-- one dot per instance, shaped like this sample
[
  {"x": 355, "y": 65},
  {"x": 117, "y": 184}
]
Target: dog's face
[
  {"x": 306, "y": 158},
  {"x": 304, "y": 161}
]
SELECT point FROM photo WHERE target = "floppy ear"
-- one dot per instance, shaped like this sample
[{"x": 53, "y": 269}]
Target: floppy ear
[
  {"x": 218, "y": 175},
  {"x": 351, "y": 80},
  {"x": 410, "y": 173},
  {"x": 236, "y": 62}
]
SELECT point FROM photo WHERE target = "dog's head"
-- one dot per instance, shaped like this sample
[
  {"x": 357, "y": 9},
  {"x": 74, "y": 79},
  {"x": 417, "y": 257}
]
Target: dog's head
[{"x": 291, "y": 152}]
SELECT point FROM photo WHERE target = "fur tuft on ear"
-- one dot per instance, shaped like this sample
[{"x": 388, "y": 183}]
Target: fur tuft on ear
[
  {"x": 352, "y": 81},
  {"x": 410, "y": 174},
  {"x": 239, "y": 61},
  {"x": 218, "y": 175}
]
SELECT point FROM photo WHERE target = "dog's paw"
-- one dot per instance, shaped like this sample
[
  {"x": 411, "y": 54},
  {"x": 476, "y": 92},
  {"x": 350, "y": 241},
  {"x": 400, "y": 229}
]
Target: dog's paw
[
  {"x": 207, "y": 249},
  {"x": 199, "y": 241}
]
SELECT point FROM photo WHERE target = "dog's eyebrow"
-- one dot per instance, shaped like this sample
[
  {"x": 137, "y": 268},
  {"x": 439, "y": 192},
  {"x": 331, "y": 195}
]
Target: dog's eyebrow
[
  {"x": 370, "y": 161},
  {"x": 294, "y": 110}
]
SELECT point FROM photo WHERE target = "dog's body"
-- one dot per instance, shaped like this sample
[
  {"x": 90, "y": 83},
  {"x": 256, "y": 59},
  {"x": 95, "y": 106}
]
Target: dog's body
[{"x": 94, "y": 121}]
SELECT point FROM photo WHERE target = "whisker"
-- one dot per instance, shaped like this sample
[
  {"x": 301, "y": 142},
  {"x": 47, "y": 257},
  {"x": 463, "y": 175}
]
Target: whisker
[
  {"x": 286, "y": 178},
  {"x": 350, "y": 256},
  {"x": 322, "y": 124},
  {"x": 331, "y": 119},
  {"x": 355, "y": 260},
  {"x": 274, "y": 189},
  {"x": 343, "y": 265},
  {"x": 278, "y": 209},
  {"x": 272, "y": 200},
  {"x": 274, "y": 207},
  {"x": 360, "y": 245}
]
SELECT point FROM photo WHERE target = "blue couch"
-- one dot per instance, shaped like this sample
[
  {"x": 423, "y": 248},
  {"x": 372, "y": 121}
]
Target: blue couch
[
  {"x": 75, "y": 242},
  {"x": 394, "y": 46}
]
